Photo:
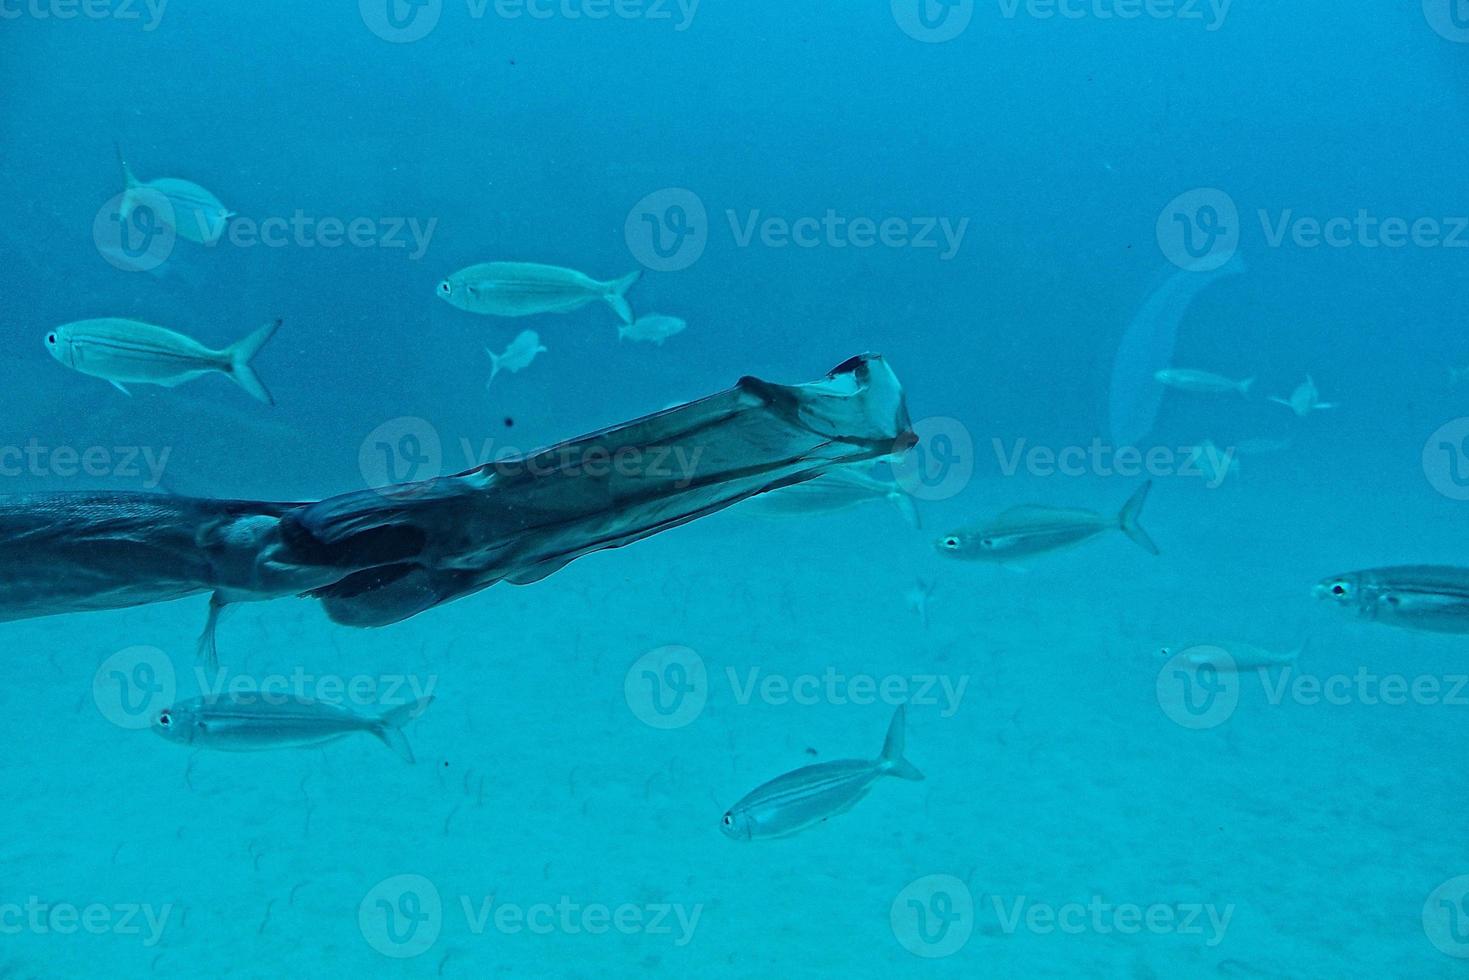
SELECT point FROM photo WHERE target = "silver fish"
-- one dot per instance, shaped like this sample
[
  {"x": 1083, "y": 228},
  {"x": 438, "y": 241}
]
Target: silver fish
[
  {"x": 1033, "y": 530},
  {"x": 655, "y": 329},
  {"x": 1231, "y": 655},
  {"x": 791, "y": 803},
  {"x": 517, "y": 356},
  {"x": 249, "y": 722},
  {"x": 1202, "y": 382},
  {"x": 1305, "y": 399},
  {"x": 526, "y": 288},
  {"x": 834, "y": 492},
  {"x": 119, "y": 351},
  {"x": 1429, "y": 598},
  {"x": 183, "y": 205}
]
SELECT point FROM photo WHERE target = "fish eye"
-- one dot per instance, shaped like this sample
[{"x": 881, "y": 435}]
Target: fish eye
[
  {"x": 1338, "y": 590},
  {"x": 51, "y": 339},
  {"x": 728, "y": 820},
  {"x": 165, "y": 719},
  {"x": 951, "y": 542},
  {"x": 446, "y": 288}
]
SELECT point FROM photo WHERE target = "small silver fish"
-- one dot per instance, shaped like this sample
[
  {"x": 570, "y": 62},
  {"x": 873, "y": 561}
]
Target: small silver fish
[
  {"x": 527, "y": 288},
  {"x": 249, "y": 722},
  {"x": 801, "y": 799},
  {"x": 655, "y": 328},
  {"x": 1428, "y": 598},
  {"x": 1033, "y": 530},
  {"x": 192, "y": 212},
  {"x": 1305, "y": 399},
  {"x": 1232, "y": 655},
  {"x": 1202, "y": 382},
  {"x": 832, "y": 493},
  {"x": 127, "y": 351},
  {"x": 517, "y": 356}
]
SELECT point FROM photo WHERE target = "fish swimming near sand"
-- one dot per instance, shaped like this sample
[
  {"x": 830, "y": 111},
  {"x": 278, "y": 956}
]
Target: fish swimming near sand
[
  {"x": 837, "y": 491},
  {"x": 129, "y": 352},
  {"x": 517, "y": 356},
  {"x": 257, "y": 720},
  {"x": 1427, "y": 598},
  {"x": 1034, "y": 530},
  {"x": 1202, "y": 382},
  {"x": 190, "y": 210},
  {"x": 791, "y": 803},
  {"x": 526, "y": 288}
]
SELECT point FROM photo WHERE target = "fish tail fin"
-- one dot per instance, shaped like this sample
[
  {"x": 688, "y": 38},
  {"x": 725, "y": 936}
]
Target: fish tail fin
[
  {"x": 904, "y": 502},
  {"x": 1245, "y": 386},
  {"x": 130, "y": 184},
  {"x": 616, "y": 295},
  {"x": 390, "y": 726},
  {"x": 892, "y": 760},
  {"x": 1128, "y": 520},
  {"x": 242, "y": 353},
  {"x": 622, "y": 329},
  {"x": 494, "y": 366}
]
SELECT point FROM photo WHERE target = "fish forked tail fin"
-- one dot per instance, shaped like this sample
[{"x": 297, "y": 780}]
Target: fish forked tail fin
[
  {"x": 389, "y": 727},
  {"x": 891, "y": 760},
  {"x": 242, "y": 353},
  {"x": 904, "y": 502},
  {"x": 616, "y": 295},
  {"x": 494, "y": 366},
  {"x": 1128, "y": 520}
]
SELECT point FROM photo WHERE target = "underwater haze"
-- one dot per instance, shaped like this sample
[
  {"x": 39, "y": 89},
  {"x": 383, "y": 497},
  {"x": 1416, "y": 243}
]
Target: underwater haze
[{"x": 1172, "y": 276}]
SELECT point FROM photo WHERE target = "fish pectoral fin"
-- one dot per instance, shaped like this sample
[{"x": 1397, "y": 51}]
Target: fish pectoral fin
[{"x": 120, "y": 388}]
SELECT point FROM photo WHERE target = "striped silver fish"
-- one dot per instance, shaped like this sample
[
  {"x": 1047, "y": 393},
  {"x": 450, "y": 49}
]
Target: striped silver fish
[
  {"x": 837, "y": 491},
  {"x": 193, "y": 212},
  {"x": 526, "y": 288},
  {"x": 791, "y": 803},
  {"x": 1033, "y": 530},
  {"x": 254, "y": 720},
  {"x": 1430, "y": 598}
]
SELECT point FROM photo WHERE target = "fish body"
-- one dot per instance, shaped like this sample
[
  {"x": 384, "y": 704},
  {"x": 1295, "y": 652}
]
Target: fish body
[
  {"x": 791, "y": 803},
  {"x": 654, "y": 329},
  {"x": 1202, "y": 382},
  {"x": 128, "y": 351},
  {"x": 1232, "y": 656},
  {"x": 526, "y": 288},
  {"x": 193, "y": 212},
  {"x": 254, "y": 721},
  {"x": 1216, "y": 464},
  {"x": 1427, "y": 598},
  {"x": 517, "y": 356},
  {"x": 835, "y": 492},
  {"x": 1305, "y": 399},
  {"x": 1034, "y": 530}
]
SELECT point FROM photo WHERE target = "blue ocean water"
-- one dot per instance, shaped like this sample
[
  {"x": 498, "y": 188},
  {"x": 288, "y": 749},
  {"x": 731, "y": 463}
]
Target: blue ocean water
[{"x": 989, "y": 195}]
